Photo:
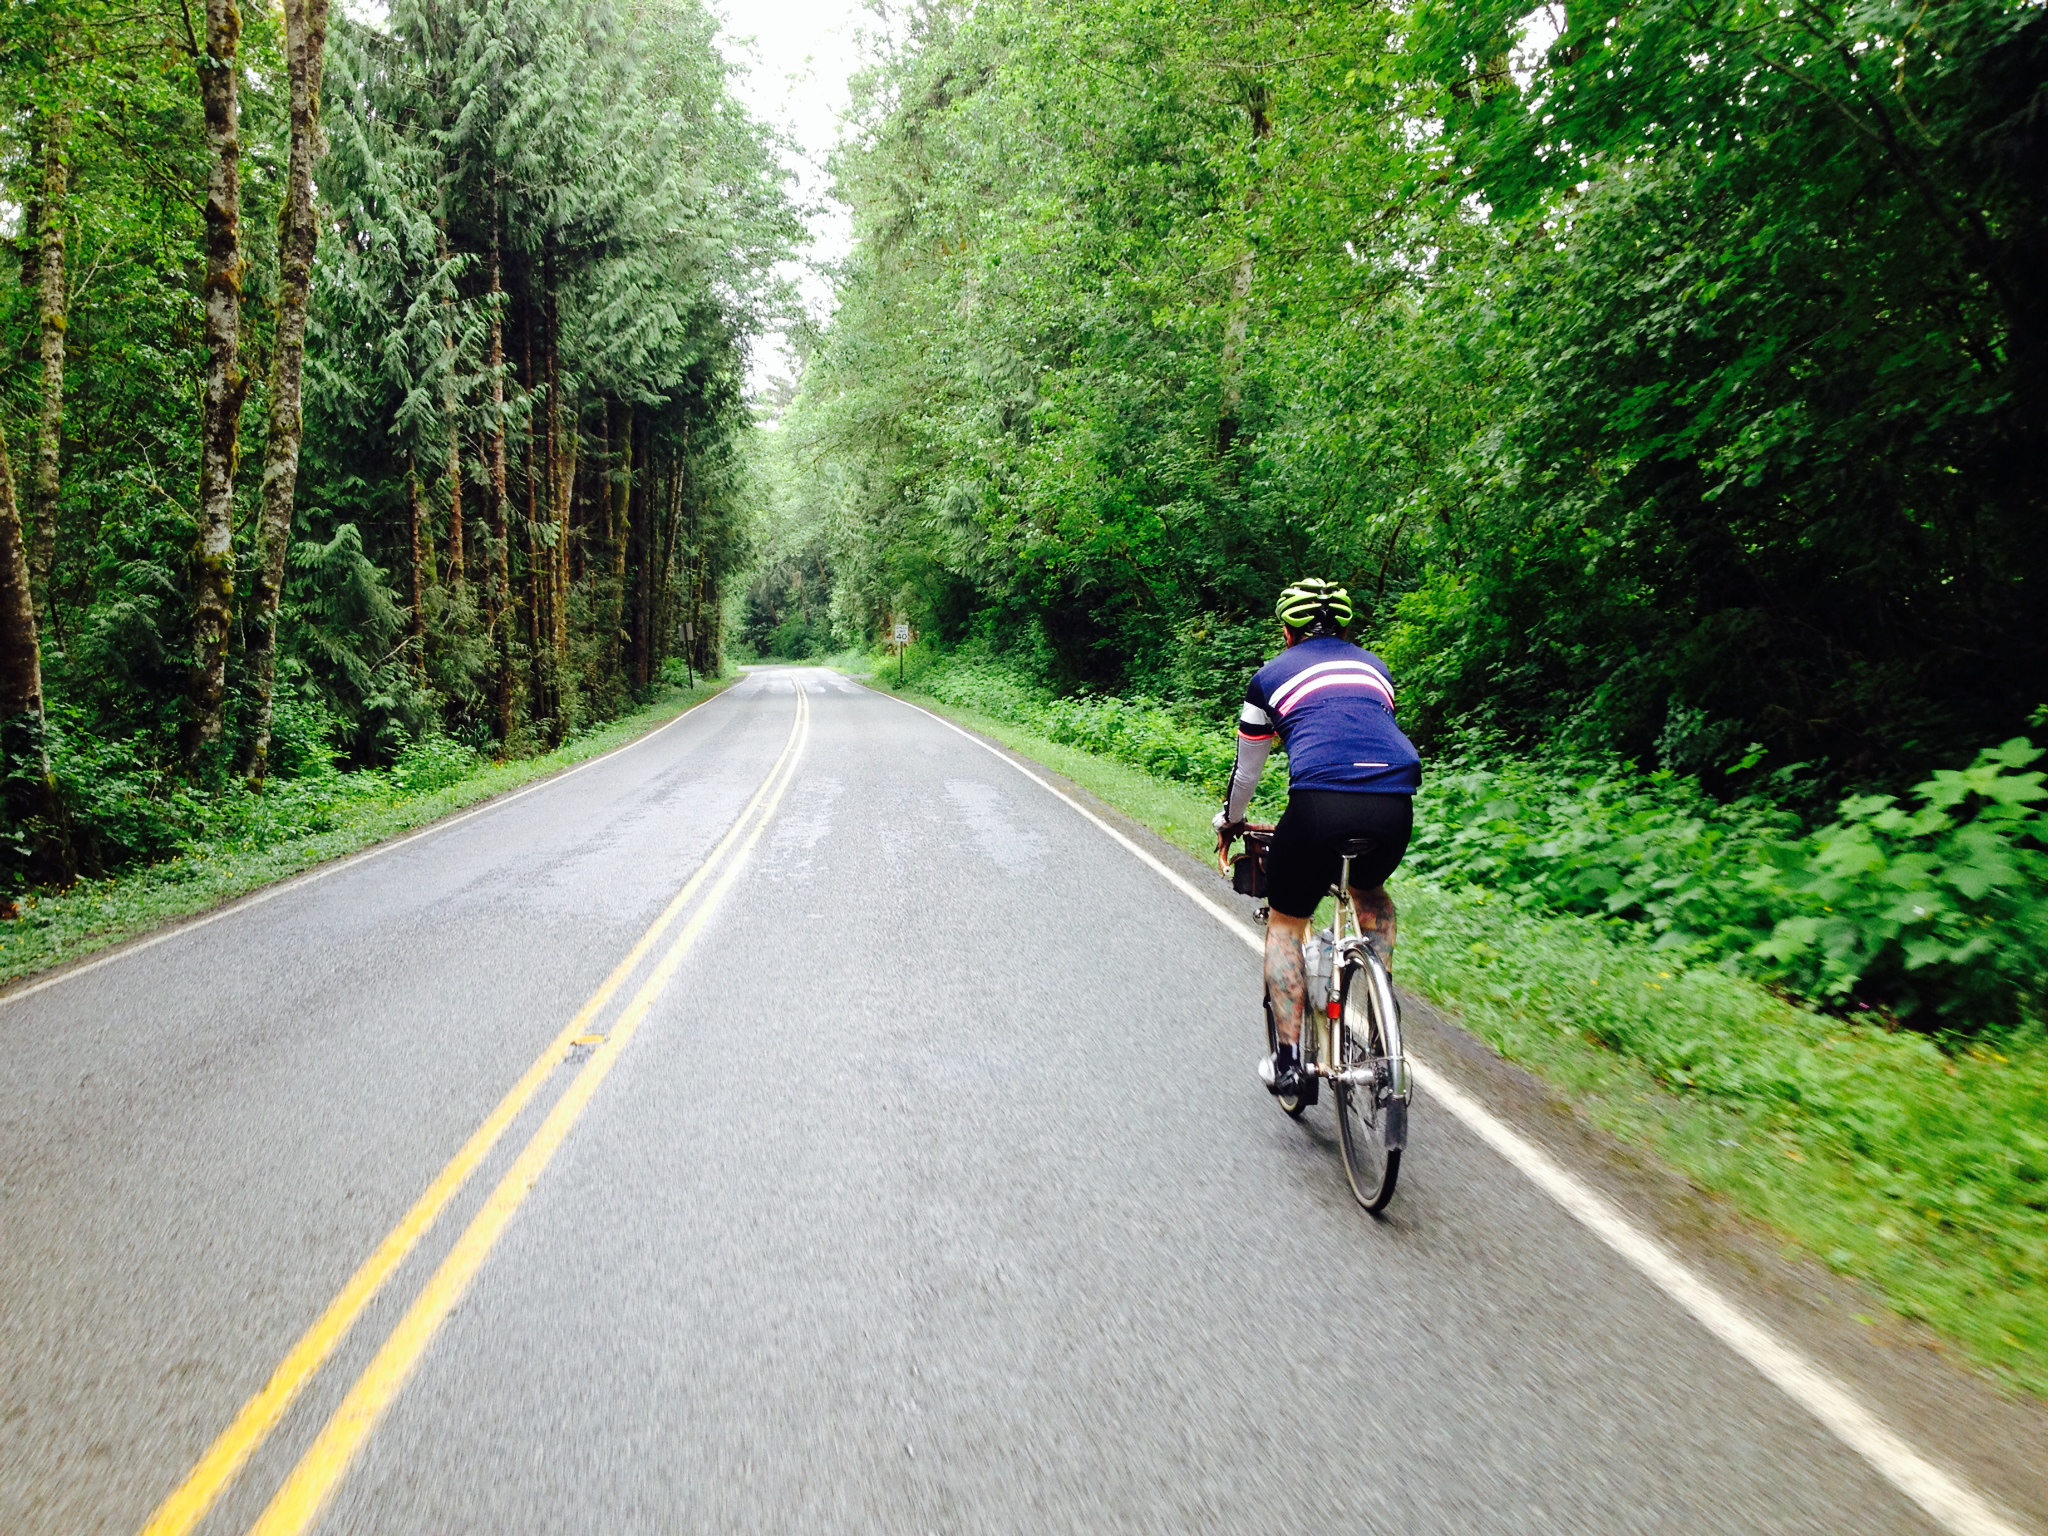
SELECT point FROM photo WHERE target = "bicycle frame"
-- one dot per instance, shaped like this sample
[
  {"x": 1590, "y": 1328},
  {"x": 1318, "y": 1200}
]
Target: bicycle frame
[{"x": 1352, "y": 962}]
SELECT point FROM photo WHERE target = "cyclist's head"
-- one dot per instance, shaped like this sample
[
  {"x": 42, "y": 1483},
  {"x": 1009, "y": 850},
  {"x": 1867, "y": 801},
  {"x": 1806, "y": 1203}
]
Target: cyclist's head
[{"x": 1312, "y": 609}]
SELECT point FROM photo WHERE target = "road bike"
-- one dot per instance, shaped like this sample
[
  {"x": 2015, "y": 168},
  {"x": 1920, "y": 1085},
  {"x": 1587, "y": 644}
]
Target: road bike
[{"x": 1352, "y": 1039}]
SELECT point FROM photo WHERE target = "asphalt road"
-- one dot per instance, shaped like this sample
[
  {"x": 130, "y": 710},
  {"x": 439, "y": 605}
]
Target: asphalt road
[{"x": 935, "y": 1193}]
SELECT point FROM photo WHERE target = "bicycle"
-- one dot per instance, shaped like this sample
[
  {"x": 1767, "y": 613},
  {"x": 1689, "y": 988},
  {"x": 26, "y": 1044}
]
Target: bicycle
[{"x": 1352, "y": 1040}]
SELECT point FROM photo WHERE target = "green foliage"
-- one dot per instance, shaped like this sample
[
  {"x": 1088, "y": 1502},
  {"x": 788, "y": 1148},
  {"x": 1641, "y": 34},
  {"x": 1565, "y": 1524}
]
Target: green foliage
[
  {"x": 1657, "y": 388},
  {"x": 637, "y": 214},
  {"x": 1937, "y": 913}
]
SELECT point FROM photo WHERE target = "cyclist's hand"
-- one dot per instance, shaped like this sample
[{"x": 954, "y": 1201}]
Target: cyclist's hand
[{"x": 1227, "y": 832}]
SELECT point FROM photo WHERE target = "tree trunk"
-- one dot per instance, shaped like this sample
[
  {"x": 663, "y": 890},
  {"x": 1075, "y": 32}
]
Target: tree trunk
[
  {"x": 539, "y": 471},
  {"x": 422, "y": 565},
  {"x": 455, "y": 554},
  {"x": 28, "y": 792},
  {"x": 643, "y": 668},
  {"x": 298, "y": 236},
  {"x": 621, "y": 525},
  {"x": 50, "y": 302},
  {"x": 451, "y": 412},
  {"x": 501, "y": 573},
  {"x": 671, "y": 538},
  {"x": 1237, "y": 327},
  {"x": 565, "y": 495},
  {"x": 213, "y": 559}
]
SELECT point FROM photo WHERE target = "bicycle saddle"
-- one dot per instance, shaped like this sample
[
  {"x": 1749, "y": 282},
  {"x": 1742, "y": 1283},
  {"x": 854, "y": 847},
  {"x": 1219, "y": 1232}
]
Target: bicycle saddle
[{"x": 1355, "y": 847}]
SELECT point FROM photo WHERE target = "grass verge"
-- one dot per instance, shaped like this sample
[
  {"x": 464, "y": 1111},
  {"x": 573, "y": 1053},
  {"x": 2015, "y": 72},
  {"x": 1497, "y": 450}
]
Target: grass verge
[
  {"x": 1920, "y": 1173},
  {"x": 339, "y": 817}
]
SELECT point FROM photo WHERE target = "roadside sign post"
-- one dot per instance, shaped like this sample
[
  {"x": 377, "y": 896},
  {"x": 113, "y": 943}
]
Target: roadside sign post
[
  {"x": 689, "y": 642},
  {"x": 902, "y": 640}
]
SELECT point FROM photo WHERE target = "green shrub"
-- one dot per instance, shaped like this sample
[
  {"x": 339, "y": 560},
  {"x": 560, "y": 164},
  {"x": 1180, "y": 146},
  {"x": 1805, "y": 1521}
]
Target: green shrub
[
  {"x": 1937, "y": 912},
  {"x": 1596, "y": 838},
  {"x": 433, "y": 763},
  {"x": 1169, "y": 741},
  {"x": 123, "y": 806}
]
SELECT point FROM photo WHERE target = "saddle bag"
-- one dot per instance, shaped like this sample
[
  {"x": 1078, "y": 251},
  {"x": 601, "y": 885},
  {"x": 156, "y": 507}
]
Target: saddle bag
[{"x": 1248, "y": 869}]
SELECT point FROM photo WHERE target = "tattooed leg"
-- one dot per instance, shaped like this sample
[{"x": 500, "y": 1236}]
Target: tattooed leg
[
  {"x": 1286, "y": 980},
  {"x": 1376, "y": 918}
]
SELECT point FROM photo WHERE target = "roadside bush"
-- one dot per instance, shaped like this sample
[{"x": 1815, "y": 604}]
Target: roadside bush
[
  {"x": 1599, "y": 839},
  {"x": 1934, "y": 909},
  {"x": 123, "y": 807},
  {"x": 1169, "y": 741},
  {"x": 1936, "y": 912}
]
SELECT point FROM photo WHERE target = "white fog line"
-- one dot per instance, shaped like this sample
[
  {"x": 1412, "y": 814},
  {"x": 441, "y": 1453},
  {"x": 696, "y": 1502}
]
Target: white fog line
[
  {"x": 1952, "y": 1503},
  {"x": 182, "y": 926}
]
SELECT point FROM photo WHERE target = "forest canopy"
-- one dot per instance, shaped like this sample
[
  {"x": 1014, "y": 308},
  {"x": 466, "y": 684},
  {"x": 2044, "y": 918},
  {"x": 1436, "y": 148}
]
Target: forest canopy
[
  {"x": 363, "y": 384},
  {"x": 1662, "y": 378}
]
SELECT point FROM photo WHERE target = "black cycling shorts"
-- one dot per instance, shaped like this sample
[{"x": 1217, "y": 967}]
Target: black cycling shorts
[{"x": 1303, "y": 862}]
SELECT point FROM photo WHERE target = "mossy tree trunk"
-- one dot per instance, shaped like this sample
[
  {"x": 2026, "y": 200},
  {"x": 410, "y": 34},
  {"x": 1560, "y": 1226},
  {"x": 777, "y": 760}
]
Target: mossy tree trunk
[
  {"x": 213, "y": 558},
  {"x": 500, "y": 599},
  {"x": 28, "y": 791},
  {"x": 298, "y": 236},
  {"x": 53, "y": 205}
]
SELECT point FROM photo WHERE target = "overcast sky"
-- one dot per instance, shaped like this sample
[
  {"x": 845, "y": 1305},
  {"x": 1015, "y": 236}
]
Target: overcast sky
[{"x": 797, "y": 55}]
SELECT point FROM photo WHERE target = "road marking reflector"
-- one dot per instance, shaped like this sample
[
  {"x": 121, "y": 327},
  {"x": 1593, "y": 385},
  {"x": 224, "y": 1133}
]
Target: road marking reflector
[
  {"x": 299, "y": 1504},
  {"x": 1950, "y": 1501},
  {"x": 223, "y": 1462}
]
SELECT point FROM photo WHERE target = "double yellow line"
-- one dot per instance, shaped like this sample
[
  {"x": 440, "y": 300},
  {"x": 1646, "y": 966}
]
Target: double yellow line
[{"x": 299, "y": 1504}]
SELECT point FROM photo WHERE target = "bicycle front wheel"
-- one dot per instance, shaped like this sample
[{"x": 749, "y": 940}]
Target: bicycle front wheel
[{"x": 1369, "y": 1118}]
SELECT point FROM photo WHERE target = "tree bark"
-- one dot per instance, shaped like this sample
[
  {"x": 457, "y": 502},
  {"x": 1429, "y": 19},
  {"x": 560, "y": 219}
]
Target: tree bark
[
  {"x": 53, "y": 204},
  {"x": 422, "y": 565},
  {"x": 1238, "y": 326},
  {"x": 563, "y": 435},
  {"x": 538, "y": 472},
  {"x": 298, "y": 236},
  {"x": 213, "y": 561},
  {"x": 28, "y": 791},
  {"x": 452, "y": 414},
  {"x": 621, "y": 524},
  {"x": 500, "y": 566},
  {"x": 456, "y": 574}
]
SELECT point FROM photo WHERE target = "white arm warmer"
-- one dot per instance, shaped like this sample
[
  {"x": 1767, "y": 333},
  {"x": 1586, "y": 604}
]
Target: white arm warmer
[{"x": 1252, "y": 752}]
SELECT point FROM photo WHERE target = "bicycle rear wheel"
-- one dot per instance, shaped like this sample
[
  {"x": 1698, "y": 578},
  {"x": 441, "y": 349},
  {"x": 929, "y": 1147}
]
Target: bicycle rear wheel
[{"x": 1371, "y": 1123}]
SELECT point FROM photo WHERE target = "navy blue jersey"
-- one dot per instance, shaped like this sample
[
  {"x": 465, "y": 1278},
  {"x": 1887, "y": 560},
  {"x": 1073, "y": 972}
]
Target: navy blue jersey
[{"x": 1332, "y": 706}]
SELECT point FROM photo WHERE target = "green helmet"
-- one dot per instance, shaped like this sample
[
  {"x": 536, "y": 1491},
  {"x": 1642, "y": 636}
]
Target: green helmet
[{"x": 1308, "y": 600}]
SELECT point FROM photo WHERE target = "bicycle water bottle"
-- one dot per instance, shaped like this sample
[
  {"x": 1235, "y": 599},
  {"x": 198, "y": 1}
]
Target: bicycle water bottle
[{"x": 1315, "y": 965}]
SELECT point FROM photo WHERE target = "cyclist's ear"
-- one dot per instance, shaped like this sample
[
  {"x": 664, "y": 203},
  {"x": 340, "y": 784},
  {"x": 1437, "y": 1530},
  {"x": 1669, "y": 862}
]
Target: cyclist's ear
[{"x": 1289, "y": 637}]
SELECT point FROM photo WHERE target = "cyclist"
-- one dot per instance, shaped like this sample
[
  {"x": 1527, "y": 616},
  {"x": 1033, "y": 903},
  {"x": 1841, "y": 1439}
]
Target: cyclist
[{"x": 1350, "y": 774}]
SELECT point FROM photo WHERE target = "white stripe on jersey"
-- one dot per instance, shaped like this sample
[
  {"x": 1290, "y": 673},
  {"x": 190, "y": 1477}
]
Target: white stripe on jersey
[
  {"x": 1326, "y": 673},
  {"x": 1254, "y": 717}
]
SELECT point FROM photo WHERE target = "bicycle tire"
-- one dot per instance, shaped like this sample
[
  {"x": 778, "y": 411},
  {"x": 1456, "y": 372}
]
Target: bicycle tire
[
  {"x": 1364, "y": 1118},
  {"x": 1293, "y": 1103}
]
